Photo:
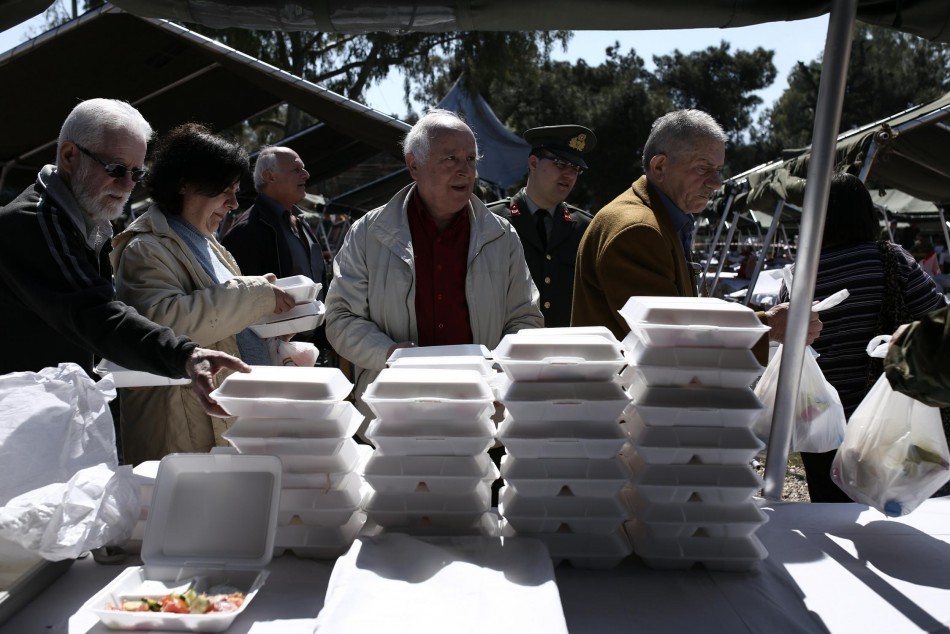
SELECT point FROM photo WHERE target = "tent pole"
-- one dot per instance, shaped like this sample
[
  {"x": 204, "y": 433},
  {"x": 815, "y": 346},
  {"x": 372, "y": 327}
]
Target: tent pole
[
  {"x": 834, "y": 75},
  {"x": 725, "y": 253},
  {"x": 715, "y": 239},
  {"x": 760, "y": 261}
]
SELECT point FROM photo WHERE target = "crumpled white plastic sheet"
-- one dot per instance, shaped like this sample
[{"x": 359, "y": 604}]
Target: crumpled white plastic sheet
[
  {"x": 62, "y": 491},
  {"x": 52, "y": 424},
  {"x": 96, "y": 507}
]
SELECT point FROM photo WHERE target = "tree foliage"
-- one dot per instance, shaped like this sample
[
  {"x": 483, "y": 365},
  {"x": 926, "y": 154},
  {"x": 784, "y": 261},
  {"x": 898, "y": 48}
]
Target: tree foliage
[
  {"x": 349, "y": 64},
  {"x": 888, "y": 72},
  {"x": 718, "y": 82},
  {"x": 619, "y": 98}
]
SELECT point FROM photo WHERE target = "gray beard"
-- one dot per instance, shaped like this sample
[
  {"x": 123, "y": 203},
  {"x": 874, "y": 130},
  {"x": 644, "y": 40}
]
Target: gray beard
[{"x": 88, "y": 203}]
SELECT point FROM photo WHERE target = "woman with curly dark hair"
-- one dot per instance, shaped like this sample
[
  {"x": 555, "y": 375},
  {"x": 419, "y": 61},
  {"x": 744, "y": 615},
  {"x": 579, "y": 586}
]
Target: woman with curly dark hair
[{"x": 171, "y": 268}]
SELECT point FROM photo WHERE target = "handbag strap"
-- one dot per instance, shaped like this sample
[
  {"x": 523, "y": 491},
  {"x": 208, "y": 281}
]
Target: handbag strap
[{"x": 893, "y": 309}]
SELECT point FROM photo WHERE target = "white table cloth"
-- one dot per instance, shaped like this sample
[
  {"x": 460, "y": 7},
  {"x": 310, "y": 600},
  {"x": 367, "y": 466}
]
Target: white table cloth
[{"x": 831, "y": 568}]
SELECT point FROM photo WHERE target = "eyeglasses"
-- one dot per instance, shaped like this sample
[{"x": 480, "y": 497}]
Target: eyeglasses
[
  {"x": 563, "y": 165},
  {"x": 116, "y": 170}
]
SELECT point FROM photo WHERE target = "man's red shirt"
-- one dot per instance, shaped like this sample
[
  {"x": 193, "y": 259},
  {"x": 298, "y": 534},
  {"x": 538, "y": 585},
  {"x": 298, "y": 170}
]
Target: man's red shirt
[{"x": 441, "y": 262}]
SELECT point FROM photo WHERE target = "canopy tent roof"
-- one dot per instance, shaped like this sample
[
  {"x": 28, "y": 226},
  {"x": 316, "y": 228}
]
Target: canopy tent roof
[
  {"x": 905, "y": 160},
  {"x": 172, "y": 75},
  {"x": 927, "y": 18},
  {"x": 909, "y": 151}
]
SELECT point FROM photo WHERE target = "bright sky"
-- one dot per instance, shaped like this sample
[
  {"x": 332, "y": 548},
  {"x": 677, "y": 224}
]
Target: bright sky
[{"x": 802, "y": 40}]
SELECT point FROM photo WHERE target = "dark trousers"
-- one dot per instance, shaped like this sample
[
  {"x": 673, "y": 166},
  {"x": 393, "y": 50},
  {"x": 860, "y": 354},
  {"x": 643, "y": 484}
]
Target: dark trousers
[{"x": 821, "y": 488}]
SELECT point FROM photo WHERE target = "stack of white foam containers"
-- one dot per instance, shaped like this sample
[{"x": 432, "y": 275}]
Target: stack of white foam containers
[
  {"x": 300, "y": 415},
  {"x": 430, "y": 474},
  {"x": 690, "y": 374},
  {"x": 565, "y": 483}
]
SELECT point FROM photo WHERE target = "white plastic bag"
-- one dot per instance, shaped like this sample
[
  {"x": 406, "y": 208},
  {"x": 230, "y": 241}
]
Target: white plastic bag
[
  {"x": 819, "y": 423},
  {"x": 296, "y": 353},
  {"x": 894, "y": 454},
  {"x": 52, "y": 424},
  {"x": 99, "y": 506},
  {"x": 62, "y": 491}
]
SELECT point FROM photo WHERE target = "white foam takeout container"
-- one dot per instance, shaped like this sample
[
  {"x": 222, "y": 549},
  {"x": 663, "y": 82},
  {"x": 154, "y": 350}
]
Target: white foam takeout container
[
  {"x": 346, "y": 458},
  {"x": 549, "y": 401},
  {"x": 598, "y": 331},
  {"x": 679, "y": 484},
  {"x": 457, "y": 350},
  {"x": 695, "y": 406},
  {"x": 563, "y": 439},
  {"x": 303, "y": 289},
  {"x": 322, "y": 507},
  {"x": 300, "y": 318},
  {"x": 285, "y": 392},
  {"x": 670, "y": 521},
  {"x": 427, "y": 394},
  {"x": 741, "y": 553},
  {"x": 586, "y": 550},
  {"x": 428, "y": 511},
  {"x": 451, "y": 475},
  {"x": 594, "y": 515},
  {"x": 431, "y": 437},
  {"x": 548, "y": 477},
  {"x": 319, "y": 542},
  {"x": 479, "y": 364},
  {"x": 680, "y": 444},
  {"x": 132, "y": 378},
  {"x": 545, "y": 357},
  {"x": 190, "y": 539},
  {"x": 679, "y": 367},
  {"x": 293, "y": 436},
  {"x": 692, "y": 322}
]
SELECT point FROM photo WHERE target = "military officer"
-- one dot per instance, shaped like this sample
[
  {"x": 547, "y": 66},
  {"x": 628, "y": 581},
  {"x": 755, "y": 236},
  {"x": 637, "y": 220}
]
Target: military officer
[{"x": 549, "y": 228}]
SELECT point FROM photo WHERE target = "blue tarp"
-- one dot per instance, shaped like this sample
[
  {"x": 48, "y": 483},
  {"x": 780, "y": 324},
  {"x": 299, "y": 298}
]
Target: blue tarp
[{"x": 504, "y": 153}]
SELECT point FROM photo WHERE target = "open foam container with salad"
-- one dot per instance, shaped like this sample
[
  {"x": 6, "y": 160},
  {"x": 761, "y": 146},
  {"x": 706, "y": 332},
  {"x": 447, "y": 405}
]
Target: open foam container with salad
[{"x": 199, "y": 573}]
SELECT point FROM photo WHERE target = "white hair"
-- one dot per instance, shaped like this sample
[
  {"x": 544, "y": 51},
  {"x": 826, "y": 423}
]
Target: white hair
[
  {"x": 436, "y": 121},
  {"x": 266, "y": 160},
  {"x": 672, "y": 132},
  {"x": 92, "y": 119}
]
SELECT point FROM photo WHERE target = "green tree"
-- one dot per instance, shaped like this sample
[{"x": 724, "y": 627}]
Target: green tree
[
  {"x": 349, "y": 64},
  {"x": 614, "y": 99},
  {"x": 888, "y": 72},
  {"x": 718, "y": 82}
]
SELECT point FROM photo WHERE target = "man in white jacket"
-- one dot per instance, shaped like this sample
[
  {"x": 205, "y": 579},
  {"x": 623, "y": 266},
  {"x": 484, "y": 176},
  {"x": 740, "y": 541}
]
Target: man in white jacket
[{"x": 431, "y": 267}]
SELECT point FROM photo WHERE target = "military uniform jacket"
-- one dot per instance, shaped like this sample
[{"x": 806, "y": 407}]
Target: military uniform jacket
[{"x": 551, "y": 270}]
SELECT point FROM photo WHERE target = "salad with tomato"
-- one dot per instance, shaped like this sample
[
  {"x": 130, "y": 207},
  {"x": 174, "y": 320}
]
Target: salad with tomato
[{"x": 189, "y": 602}]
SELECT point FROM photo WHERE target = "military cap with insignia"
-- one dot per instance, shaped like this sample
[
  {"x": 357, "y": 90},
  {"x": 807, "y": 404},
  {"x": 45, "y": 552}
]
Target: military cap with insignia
[{"x": 569, "y": 142}]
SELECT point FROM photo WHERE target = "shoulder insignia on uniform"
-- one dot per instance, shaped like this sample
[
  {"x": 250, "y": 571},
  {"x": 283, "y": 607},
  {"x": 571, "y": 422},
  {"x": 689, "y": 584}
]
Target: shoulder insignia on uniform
[
  {"x": 515, "y": 211},
  {"x": 567, "y": 215}
]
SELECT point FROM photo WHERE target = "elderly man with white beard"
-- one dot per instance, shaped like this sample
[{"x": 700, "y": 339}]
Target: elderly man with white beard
[{"x": 57, "y": 300}]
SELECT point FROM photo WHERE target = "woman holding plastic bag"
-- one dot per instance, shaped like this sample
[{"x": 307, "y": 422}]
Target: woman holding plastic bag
[{"x": 886, "y": 287}]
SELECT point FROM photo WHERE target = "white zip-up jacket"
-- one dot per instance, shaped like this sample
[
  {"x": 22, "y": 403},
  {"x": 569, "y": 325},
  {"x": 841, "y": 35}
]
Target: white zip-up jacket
[{"x": 371, "y": 303}]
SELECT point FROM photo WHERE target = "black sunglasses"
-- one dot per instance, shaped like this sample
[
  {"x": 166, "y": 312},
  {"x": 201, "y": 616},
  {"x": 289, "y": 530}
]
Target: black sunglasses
[
  {"x": 561, "y": 164},
  {"x": 116, "y": 170}
]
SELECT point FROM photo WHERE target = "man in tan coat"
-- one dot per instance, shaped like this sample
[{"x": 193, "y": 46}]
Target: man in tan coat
[{"x": 639, "y": 243}]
